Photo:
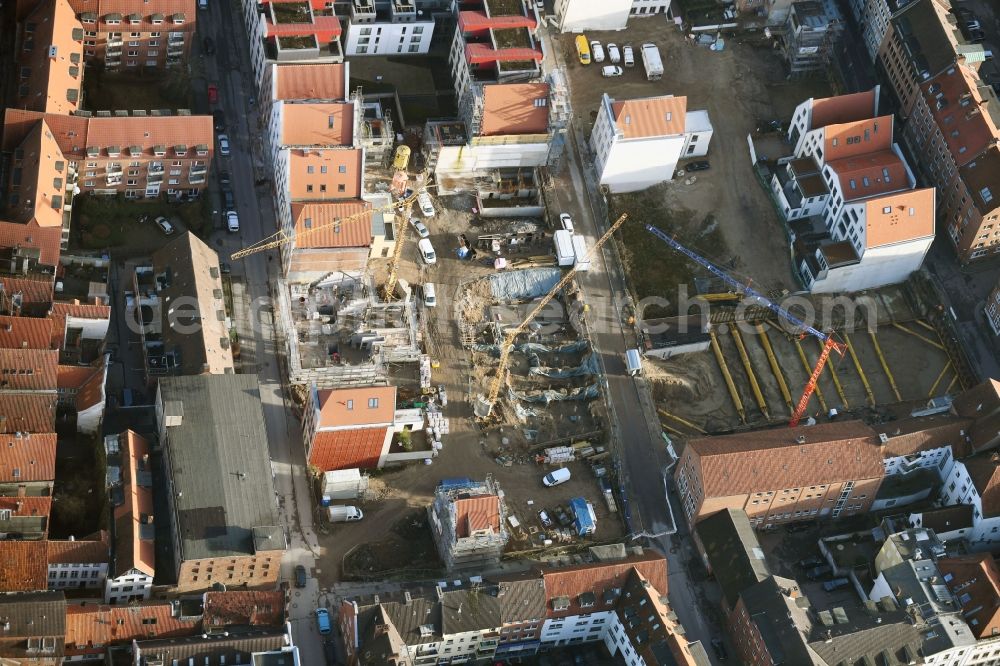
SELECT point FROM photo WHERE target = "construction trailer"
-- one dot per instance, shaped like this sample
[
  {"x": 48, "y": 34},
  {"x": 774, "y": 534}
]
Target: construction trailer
[{"x": 469, "y": 522}]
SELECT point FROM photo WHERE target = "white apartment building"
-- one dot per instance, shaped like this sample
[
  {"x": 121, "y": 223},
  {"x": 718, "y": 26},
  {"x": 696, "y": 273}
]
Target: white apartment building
[
  {"x": 638, "y": 143},
  {"x": 976, "y": 481},
  {"x": 580, "y": 15},
  {"x": 992, "y": 309},
  {"x": 643, "y": 8},
  {"x": 393, "y": 28},
  {"x": 78, "y": 565}
]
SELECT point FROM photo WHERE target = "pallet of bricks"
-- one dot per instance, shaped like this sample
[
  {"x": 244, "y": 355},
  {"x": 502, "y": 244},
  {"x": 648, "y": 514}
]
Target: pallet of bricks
[{"x": 437, "y": 425}]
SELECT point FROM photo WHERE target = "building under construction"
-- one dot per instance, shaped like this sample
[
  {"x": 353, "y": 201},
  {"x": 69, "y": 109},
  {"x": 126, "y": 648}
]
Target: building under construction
[{"x": 469, "y": 522}]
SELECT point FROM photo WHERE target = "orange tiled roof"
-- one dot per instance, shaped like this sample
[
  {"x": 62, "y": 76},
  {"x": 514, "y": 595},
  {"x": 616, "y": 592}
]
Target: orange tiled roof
[
  {"x": 50, "y": 78},
  {"x": 907, "y": 437},
  {"x": 23, "y": 566},
  {"x": 28, "y": 369},
  {"x": 598, "y": 578},
  {"x": 33, "y": 291},
  {"x": 473, "y": 514},
  {"x": 843, "y": 109},
  {"x": 975, "y": 582},
  {"x": 510, "y": 108},
  {"x": 125, "y": 7},
  {"x": 244, "y": 608},
  {"x": 92, "y": 550},
  {"x": 133, "y": 552},
  {"x": 349, "y": 407},
  {"x": 775, "y": 459},
  {"x": 25, "y": 332},
  {"x": 32, "y": 455},
  {"x": 27, "y": 412},
  {"x": 73, "y": 376},
  {"x": 91, "y": 628},
  {"x": 61, "y": 311},
  {"x": 650, "y": 116},
  {"x": 871, "y": 174},
  {"x": 910, "y": 216},
  {"x": 317, "y": 124},
  {"x": 344, "y": 449},
  {"x": 960, "y": 112},
  {"x": 320, "y": 81},
  {"x": 27, "y": 506},
  {"x": 982, "y": 177},
  {"x": 857, "y": 138},
  {"x": 341, "y": 179},
  {"x": 91, "y": 392},
  {"x": 352, "y": 233},
  {"x": 985, "y": 475},
  {"x": 40, "y": 194},
  {"x": 148, "y": 132},
  {"x": 31, "y": 235}
]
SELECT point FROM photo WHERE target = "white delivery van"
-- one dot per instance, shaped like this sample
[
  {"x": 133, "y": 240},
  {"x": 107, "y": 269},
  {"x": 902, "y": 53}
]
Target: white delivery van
[
  {"x": 430, "y": 295},
  {"x": 345, "y": 514},
  {"x": 555, "y": 477},
  {"x": 427, "y": 251},
  {"x": 633, "y": 362}
]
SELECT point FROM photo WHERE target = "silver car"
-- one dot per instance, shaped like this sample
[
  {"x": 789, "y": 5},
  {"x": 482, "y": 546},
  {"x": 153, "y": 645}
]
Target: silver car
[
  {"x": 614, "y": 55},
  {"x": 419, "y": 227},
  {"x": 424, "y": 201}
]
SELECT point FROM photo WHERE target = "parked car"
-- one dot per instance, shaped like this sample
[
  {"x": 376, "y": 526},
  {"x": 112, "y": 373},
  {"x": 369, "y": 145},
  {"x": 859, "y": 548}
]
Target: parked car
[
  {"x": 819, "y": 572},
  {"x": 427, "y": 251},
  {"x": 597, "y": 51},
  {"x": 973, "y": 25},
  {"x": 232, "y": 221},
  {"x": 227, "y": 197},
  {"x": 544, "y": 519},
  {"x": 209, "y": 46},
  {"x": 700, "y": 165},
  {"x": 219, "y": 118},
  {"x": 555, "y": 477},
  {"x": 223, "y": 144},
  {"x": 213, "y": 93},
  {"x": 720, "y": 649},
  {"x": 540, "y": 5},
  {"x": 566, "y": 222},
  {"x": 419, "y": 227},
  {"x": 424, "y": 201},
  {"x": 614, "y": 55},
  {"x": 164, "y": 225},
  {"x": 300, "y": 576},
  {"x": 323, "y": 620},
  {"x": 609, "y": 71},
  {"x": 224, "y": 178},
  {"x": 430, "y": 299},
  {"x": 582, "y": 49},
  {"x": 836, "y": 584},
  {"x": 628, "y": 55},
  {"x": 810, "y": 562},
  {"x": 202, "y": 4}
]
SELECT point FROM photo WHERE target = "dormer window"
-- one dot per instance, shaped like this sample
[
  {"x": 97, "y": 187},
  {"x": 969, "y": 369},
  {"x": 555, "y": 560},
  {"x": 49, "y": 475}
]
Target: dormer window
[
  {"x": 114, "y": 151},
  {"x": 159, "y": 151},
  {"x": 181, "y": 150},
  {"x": 113, "y": 19},
  {"x": 156, "y": 19},
  {"x": 201, "y": 149},
  {"x": 178, "y": 19}
]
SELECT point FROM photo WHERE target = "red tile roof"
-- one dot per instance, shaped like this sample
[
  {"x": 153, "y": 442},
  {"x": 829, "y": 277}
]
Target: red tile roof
[
  {"x": 32, "y": 455},
  {"x": 32, "y": 291},
  {"x": 474, "y": 21},
  {"x": 356, "y": 232},
  {"x": 27, "y": 506},
  {"x": 62, "y": 311},
  {"x": 474, "y": 514},
  {"x": 907, "y": 437},
  {"x": 39, "y": 196},
  {"x": 510, "y": 108},
  {"x": 131, "y": 551},
  {"x": 328, "y": 25},
  {"x": 319, "y": 81},
  {"x": 27, "y": 412},
  {"x": 51, "y": 77},
  {"x": 975, "y": 582},
  {"x": 650, "y": 117},
  {"x": 244, "y": 608},
  {"x": 843, "y": 109},
  {"x": 900, "y": 217},
  {"x": 984, "y": 472},
  {"x": 125, "y": 7},
  {"x": 95, "y": 549},
  {"x": 350, "y": 407},
  {"x": 481, "y": 54},
  {"x": 317, "y": 124},
  {"x": 91, "y": 392},
  {"x": 25, "y": 333},
  {"x": 857, "y": 138},
  {"x": 28, "y": 369},
  {"x": 45, "y": 239},
  {"x": 332, "y": 168},
  {"x": 965, "y": 123},
  {"x": 23, "y": 566},
  {"x": 344, "y": 449},
  {"x": 870, "y": 174},
  {"x": 73, "y": 376},
  {"x": 599, "y": 578},
  {"x": 776, "y": 459},
  {"x": 91, "y": 628}
]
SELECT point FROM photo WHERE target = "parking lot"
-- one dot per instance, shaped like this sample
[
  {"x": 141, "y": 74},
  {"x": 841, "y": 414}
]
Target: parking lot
[{"x": 739, "y": 87}]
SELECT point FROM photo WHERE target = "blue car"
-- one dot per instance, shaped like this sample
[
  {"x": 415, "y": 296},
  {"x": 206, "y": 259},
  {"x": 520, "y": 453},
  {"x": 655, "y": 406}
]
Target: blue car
[{"x": 323, "y": 620}]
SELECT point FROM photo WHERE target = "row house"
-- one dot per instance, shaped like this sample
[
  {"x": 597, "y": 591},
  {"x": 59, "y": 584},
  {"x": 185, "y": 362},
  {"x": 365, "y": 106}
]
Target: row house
[
  {"x": 50, "y": 59},
  {"x": 782, "y": 476},
  {"x": 857, "y": 219},
  {"x": 93, "y": 630},
  {"x": 27, "y": 464},
  {"x": 79, "y": 564},
  {"x": 133, "y": 565},
  {"x": 34, "y": 628},
  {"x": 975, "y": 482},
  {"x": 637, "y": 143},
  {"x": 495, "y": 42},
  {"x": 151, "y": 36}
]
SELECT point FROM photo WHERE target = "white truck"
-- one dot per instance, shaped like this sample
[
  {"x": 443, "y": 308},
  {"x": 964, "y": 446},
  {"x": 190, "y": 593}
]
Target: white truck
[
  {"x": 344, "y": 484},
  {"x": 652, "y": 62},
  {"x": 582, "y": 261},
  {"x": 564, "y": 247}
]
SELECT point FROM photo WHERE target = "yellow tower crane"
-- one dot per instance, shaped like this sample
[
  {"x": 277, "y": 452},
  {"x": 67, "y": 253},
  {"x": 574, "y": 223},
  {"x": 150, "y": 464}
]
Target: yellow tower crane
[{"x": 484, "y": 407}]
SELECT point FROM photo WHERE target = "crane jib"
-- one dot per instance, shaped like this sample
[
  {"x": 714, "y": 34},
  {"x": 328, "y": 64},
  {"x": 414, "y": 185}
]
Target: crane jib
[{"x": 759, "y": 297}]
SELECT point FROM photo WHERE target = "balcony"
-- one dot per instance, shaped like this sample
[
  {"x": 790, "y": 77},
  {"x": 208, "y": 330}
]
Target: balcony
[
  {"x": 114, "y": 179},
  {"x": 155, "y": 167},
  {"x": 198, "y": 169},
  {"x": 196, "y": 179},
  {"x": 175, "y": 38},
  {"x": 363, "y": 11}
]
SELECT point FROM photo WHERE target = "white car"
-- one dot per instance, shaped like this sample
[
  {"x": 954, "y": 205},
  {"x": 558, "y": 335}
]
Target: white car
[
  {"x": 628, "y": 55},
  {"x": 232, "y": 221},
  {"x": 614, "y": 55},
  {"x": 223, "y": 144},
  {"x": 566, "y": 221},
  {"x": 164, "y": 225},
  {"x": 419, "y": 227},
  {"x": 424, "y": 201},
  {"x": 597, "y": 51},
  {"x": 427, "y": 251},
  {"x": 611, "y": 70}
]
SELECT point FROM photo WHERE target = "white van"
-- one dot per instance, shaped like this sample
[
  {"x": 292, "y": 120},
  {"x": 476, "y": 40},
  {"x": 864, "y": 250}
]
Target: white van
[
  {"x": 345, "y": 514},
  {"x": 555, "y": 477},
  {"x": 430, "y": 295},
  {"x": 633, "y": 362},
  {"x": 427, "y": 251}
]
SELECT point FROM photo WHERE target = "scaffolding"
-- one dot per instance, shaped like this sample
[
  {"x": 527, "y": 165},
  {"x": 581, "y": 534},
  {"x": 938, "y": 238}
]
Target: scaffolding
[{"x": 456, "y": 501}]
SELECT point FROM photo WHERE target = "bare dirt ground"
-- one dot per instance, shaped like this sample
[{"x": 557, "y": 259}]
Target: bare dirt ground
[{"x": 738, "y": 87}]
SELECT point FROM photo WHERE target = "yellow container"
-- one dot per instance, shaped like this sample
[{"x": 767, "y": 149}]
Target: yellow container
[{"x": 402, "y": 158}]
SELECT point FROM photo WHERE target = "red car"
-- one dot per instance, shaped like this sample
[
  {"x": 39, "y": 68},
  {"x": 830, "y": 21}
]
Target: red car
[{"x": 213, "y": 93}]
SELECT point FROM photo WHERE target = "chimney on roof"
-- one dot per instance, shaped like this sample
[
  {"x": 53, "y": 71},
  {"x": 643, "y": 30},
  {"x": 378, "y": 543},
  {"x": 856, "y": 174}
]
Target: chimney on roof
[
  {"x": 407, "y": 599},
  {"x": 801, "y": 439}
]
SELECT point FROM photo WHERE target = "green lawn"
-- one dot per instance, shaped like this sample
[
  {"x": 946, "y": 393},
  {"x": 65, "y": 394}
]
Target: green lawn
[
  {"x": 111, "y": 223},
  {"x": 156, "y": 90}
]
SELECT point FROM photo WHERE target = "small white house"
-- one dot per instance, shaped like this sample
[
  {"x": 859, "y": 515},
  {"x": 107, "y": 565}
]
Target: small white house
[
  {"x": 387, "y": 38},
  {"x": 638, "y": 143},
  {"x": 79, "y": 565}
]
